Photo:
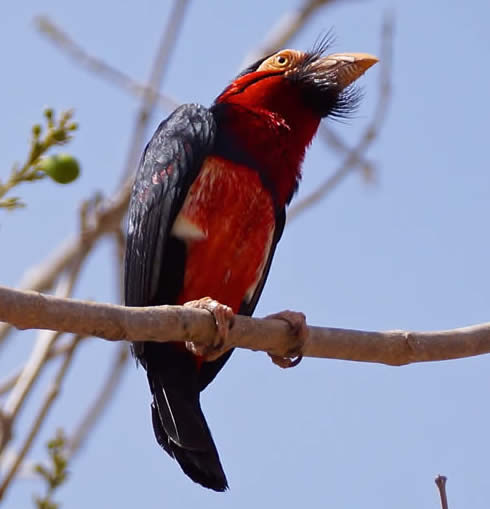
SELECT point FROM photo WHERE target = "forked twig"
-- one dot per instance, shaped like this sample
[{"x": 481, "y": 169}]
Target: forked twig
[{"x": 39, "y": 418}]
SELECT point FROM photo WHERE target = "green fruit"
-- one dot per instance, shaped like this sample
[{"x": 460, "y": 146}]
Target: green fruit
[{"x": 62, "y": 168}]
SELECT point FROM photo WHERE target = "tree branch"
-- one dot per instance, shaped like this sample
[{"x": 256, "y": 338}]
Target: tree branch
[{"x": 27, "y": 310}]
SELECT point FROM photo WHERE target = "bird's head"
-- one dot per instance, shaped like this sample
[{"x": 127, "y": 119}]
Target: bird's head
[
  {"x": 292, "y": 80},
  {"x": 272, "y": 110}
]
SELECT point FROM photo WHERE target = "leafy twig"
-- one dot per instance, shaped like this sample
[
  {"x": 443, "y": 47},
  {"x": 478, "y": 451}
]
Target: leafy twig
[
  {"x": 57, "y": 133},
  {"x": 57, "y": 474}
]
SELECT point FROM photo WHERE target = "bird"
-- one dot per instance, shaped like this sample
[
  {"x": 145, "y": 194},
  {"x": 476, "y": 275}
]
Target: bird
[{"x": 207, "y": 209}]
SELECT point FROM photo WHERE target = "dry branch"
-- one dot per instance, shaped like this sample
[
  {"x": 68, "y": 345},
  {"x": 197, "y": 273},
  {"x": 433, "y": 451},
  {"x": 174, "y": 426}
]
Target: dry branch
[
  {"x": 46, "y": 404},
  {"x": 27, "y": 310},
  {"x": 101, "y": 400},
  {"x": 95, "y": 64},
  {"x": 9, "y": 381},
  {"x": 149, "y": 99},
  {"x": 440, "y": 481}
]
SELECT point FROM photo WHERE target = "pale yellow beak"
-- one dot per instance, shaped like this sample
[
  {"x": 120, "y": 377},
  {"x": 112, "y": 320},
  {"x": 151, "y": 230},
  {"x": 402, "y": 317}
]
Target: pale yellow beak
[{"x": 345, "y": 67}]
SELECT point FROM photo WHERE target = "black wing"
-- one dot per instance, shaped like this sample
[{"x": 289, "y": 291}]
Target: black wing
[
  {"x": 154, "y": 273},
  {"x": 170, "y": 163}
]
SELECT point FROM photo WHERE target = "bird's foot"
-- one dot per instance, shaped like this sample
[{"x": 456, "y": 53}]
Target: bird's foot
[
  {"x": 299, "y": 329},
  {"x": 223, "y": 316}
]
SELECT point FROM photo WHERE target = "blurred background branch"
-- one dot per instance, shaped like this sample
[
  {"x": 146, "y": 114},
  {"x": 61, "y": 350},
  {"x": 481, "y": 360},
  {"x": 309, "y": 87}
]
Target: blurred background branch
[{"x": 354, "y": 157}]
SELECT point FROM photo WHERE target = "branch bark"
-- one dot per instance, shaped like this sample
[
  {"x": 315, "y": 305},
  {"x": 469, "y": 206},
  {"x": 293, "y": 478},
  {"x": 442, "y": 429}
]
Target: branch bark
[{"x": 26, "y": 310}]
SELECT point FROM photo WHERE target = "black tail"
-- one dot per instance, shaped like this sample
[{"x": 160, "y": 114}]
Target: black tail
[{"x": 179, "y": 424}]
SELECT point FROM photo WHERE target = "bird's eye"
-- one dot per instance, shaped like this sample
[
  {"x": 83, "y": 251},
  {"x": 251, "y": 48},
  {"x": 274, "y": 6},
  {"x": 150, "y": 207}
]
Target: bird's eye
[{"x": 282, "y": 60}]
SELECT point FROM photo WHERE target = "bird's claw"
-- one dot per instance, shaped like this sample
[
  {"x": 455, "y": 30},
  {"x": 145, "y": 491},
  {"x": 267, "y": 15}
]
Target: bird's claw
[
  {"x": 223, "y": 316},
  {"x": 299, "y": 329}
]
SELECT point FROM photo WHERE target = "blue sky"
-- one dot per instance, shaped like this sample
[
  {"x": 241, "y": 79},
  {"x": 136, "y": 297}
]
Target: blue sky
[{"x": 410, "y": 251}]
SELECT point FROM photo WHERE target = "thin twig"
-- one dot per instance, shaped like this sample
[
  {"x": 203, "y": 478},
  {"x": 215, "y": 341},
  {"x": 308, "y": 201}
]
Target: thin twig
[
  {"x": 441, "y": 485},
  {"x": 370, "y": 133},
  {"x": 336, "y": 143},
  {"x": 105, "y": 394},
  {"x": 101, "y": 401},
  {"x": 157, "y": 73},
  {"x": 39, "y": 418},
  {"x": 96, "y": 65},
  {"x": 180, "y": 323},
  {"x": 285, "y": 29},
  {"x": 120, "y": 249},
  {"x": 29, "y": 375},
  {"x": 9, "y": 381}
]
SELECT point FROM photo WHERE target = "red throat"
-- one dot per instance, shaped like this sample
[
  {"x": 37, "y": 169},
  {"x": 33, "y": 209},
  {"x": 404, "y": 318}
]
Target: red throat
[{"x": 267, "y": 117}]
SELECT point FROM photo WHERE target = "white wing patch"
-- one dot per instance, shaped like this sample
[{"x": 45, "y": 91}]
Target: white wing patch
[
  {"x": 187, "y": 230},
  {"x": 251, "y": 289}
]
